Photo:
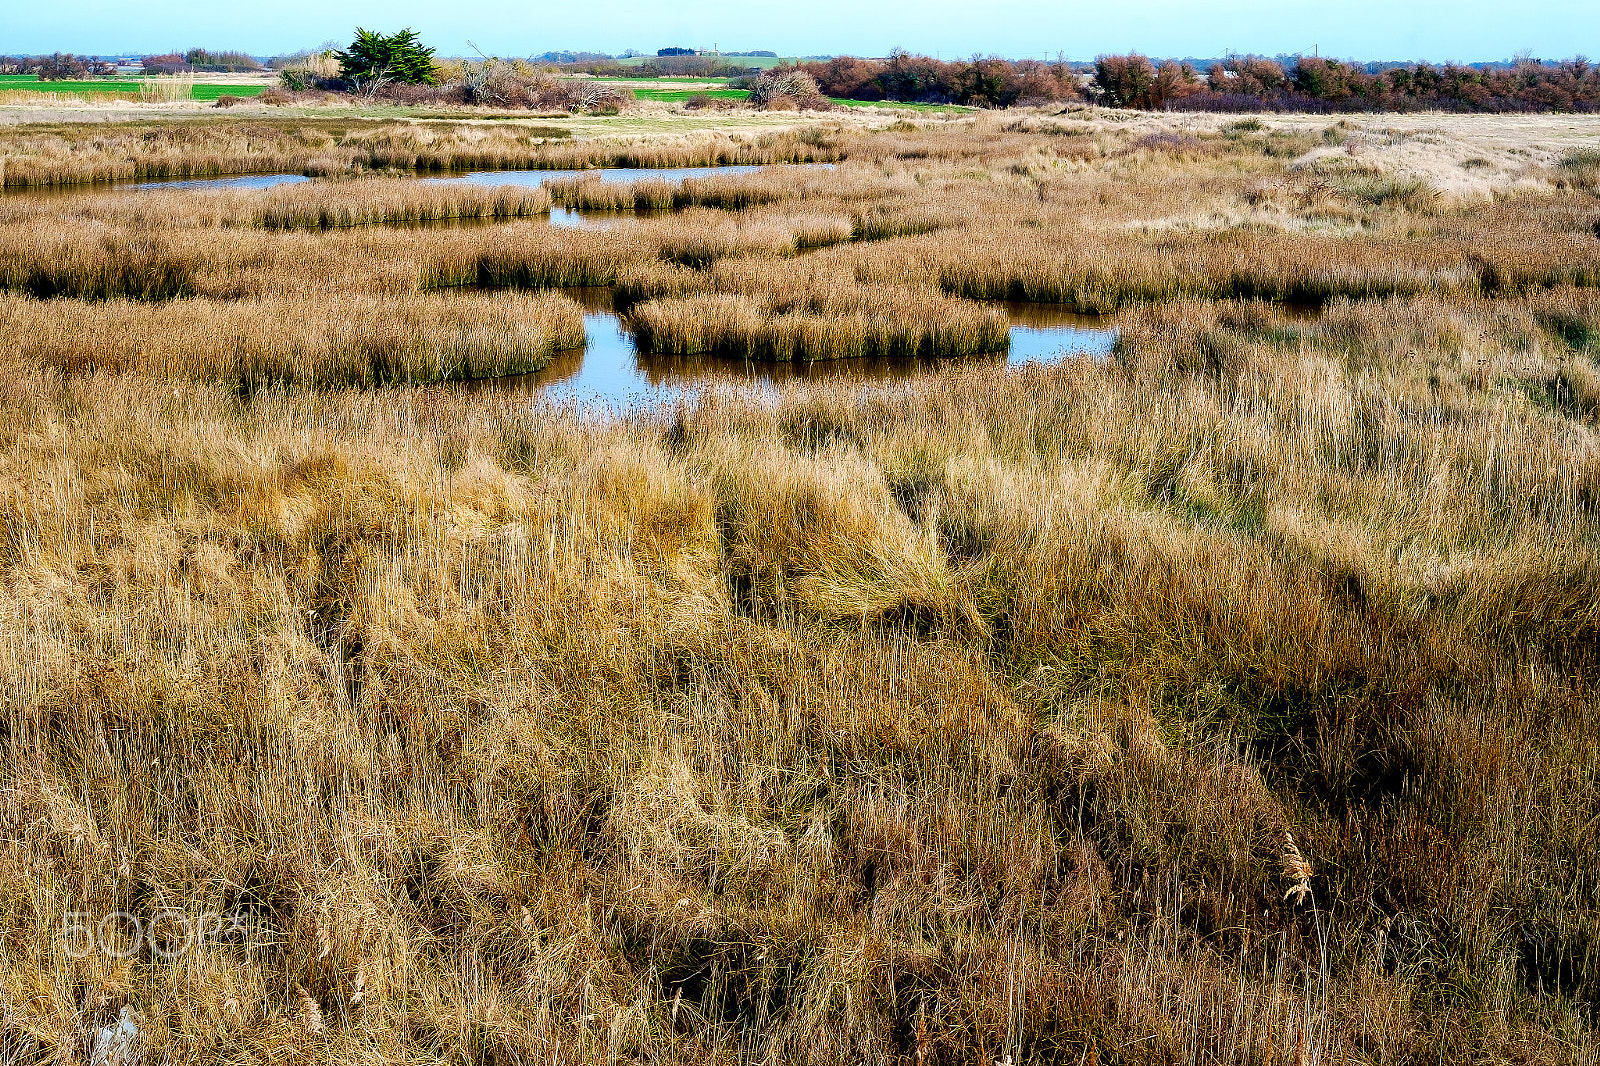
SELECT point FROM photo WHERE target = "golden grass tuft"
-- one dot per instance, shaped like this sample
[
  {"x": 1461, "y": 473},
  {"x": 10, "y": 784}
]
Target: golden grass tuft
[
  {"x": 858, "y": 325},
  {"x": 386, "y": 202},
  {"x": 248, "y": 344}
]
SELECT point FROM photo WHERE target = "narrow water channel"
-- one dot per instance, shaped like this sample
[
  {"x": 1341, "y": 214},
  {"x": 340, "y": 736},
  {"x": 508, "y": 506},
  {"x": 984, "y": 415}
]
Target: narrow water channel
[
  {"x": 523, "y": 178},
  {"x": 611, "y": 371}
]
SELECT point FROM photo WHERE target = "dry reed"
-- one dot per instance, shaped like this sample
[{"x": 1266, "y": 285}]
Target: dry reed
[
  {"x": 349, "y": 341},
  {"x": 384, "y": 202},
  {"x": 877, "y": 324},
  {"x": 1232, "y": 702}
]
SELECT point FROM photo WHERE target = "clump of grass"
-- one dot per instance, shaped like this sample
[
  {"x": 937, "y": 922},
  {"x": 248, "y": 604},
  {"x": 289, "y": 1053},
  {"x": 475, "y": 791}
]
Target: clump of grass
[
  {"x": 1580, "y": 169},
  {"x": 593, "y": 194},
  {"x": 1388, "y": 190},
  {"x": 833, "y": 325},
  {"x": 551, "y": 259},
  {"x": 880, "y": 222},
  {"x": 320, "y": 205},
  {"x": 43, "y": 262},
  {"x": 338, "y": 342}
]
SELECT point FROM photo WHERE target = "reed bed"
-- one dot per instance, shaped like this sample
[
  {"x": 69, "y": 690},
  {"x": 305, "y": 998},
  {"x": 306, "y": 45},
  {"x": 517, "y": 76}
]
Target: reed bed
[
  {"x": 1096, "y": 273},
  {"x": 68, "y": 155},
  {"x": 698, "y": 238},
  {"x": 731, "y": 192},
  {"x": 386, "y": 202},
  {"x": 561, "y": 258},
  {"x": 326, "y": 343},
  {"x": 36, "y": 98},
  {"x": 523, "y": 258},
  {"x": 1229, "y": 708},
  {"x": 1230, "y": 702},
  {"x": 880, "y": 323},
  {"x": 91, "y": 264},
  {"x": 593, "y": 194}
]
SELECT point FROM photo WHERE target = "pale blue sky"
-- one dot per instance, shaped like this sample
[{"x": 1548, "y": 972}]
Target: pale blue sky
[{"x": 1465, "y": 30}]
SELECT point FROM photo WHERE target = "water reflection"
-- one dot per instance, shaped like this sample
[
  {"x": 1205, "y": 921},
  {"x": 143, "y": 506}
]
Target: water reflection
[
  {"x": 1044, "y": 333},
  {"x": 610, "y": 371},
  {"x": 524, "y": 178},
  {"x": 245, "y": 181},
  {"x": 615, "y": 175}
]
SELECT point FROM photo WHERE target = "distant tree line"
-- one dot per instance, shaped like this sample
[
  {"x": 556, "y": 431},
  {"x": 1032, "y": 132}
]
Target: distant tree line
[
  {"x": 691, "y": 65},
  {"x": 1234, "y": 84},
  {"x": 977, "y": 82},
  {"x": 63, "y": 66},
  {"x": 1328, "y": 85}
]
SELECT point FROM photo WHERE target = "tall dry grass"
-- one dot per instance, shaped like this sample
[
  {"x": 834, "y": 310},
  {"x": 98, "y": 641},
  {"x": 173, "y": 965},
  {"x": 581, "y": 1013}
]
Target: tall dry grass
[
  {"x": 1017, "y": 706},
  {"x": 322, "y": 342},
  {"x": 861, "y": 325},
  {"x": 387, "y": 202},
  {"x": 1229, "y": 702},
  {"x": 87, "y": 262},
  {"x": 73, "y": 155}
]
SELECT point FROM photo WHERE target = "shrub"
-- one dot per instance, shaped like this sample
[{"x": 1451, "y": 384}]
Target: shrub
[
  {"x": 314, "y": 70},
  {"x": 375, "y": 58},
  {"x": 62, "y": 67},
  {"x": 201, "y": 59},
  {"x": 977, "y": 82},
  {"x": 171, "y": 63},
  {"x": 1132, "y": 81},
  {"x": 787, "y": 86}
]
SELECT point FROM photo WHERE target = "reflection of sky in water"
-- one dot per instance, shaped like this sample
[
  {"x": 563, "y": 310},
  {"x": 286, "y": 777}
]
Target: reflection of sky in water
[
  {"x": 245, "y": 181},
  {"x": 609, "y": 371},
  {"x": 525, "y": 178},
  {"x": 614, "y": 175}
]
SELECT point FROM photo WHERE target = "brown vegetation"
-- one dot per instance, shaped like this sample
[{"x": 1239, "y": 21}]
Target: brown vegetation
[
  {"x": 785, "y": 326},
  {"x": 977, "y": 82},
  {"x": 1316, "y": 84},
  {"x": 365, "y": 203},
  {"x": 324, "y": 342},
  {"x": 73, "y": 155},
  {"x": 1229, "y": 702}
]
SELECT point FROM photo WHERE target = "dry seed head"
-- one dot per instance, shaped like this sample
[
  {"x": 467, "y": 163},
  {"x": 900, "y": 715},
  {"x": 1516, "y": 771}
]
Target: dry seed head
[
  {"x": 1296, "y": 870},
  {"x": 310, "y": 1012}
]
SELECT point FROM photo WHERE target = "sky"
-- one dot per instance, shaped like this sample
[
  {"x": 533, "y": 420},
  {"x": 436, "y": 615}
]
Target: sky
[{"x": 1434, "y": 30}]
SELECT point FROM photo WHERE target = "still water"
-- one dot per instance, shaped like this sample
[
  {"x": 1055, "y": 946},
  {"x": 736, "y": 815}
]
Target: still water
[
  {"x": 610, "y": 371},
  {"x": 524, "y": 178}
]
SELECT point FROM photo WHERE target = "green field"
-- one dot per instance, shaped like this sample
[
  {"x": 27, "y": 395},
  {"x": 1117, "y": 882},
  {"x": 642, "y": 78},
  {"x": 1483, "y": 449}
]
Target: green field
[
  {"x": 202, "y": 91},
  {"x": 673, "y": 96}
]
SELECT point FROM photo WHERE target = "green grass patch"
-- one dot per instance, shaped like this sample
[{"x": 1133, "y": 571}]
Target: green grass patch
[
  {"x": 211, "y": 92},
  {"x": 673, "y": 96},
  {"x": 202, "y": 91}
]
